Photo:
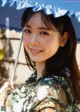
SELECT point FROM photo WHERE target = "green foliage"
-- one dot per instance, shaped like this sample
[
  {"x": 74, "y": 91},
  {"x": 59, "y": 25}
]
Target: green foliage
[
  {"x": 3, "y": 71},
  {"x": 2, "y": 54}
]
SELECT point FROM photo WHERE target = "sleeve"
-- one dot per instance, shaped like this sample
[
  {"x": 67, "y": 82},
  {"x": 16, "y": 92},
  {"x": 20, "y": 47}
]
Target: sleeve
[{"x": 55, "y": 101}]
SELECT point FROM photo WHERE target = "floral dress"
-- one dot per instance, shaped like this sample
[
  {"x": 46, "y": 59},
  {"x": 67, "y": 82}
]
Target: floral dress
[{"x": 42, "y": 94}]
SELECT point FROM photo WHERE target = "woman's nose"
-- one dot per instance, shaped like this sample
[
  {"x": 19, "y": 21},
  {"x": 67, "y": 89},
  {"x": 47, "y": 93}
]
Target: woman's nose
[{"x": 34, "y": 39}]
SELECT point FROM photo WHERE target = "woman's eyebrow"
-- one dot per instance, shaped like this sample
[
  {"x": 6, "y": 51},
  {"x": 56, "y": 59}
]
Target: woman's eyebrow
[
  {"x": 27, "y": 26},
  {"x": 43, "y": 28}
]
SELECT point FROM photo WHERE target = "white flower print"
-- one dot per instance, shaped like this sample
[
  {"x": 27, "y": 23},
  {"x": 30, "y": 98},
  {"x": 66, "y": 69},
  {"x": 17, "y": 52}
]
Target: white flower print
[{"x": 42, "y": 92}]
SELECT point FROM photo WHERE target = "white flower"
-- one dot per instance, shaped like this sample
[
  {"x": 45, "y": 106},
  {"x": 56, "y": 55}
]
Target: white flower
[
  {"x": 23, "y": 89},
  {"x": 17, "y": 107},
  {"x": 42, "y": 92}
]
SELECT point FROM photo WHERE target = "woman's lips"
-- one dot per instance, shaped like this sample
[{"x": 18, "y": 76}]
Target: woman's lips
[{"x": 35, "y": 51}]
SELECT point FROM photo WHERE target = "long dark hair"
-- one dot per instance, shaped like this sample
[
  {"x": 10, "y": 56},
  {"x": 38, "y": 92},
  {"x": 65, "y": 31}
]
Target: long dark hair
[{"x": 65, "y": 56}]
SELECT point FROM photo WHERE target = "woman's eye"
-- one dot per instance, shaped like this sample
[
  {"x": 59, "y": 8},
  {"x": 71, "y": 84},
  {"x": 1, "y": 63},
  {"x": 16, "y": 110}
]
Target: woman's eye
[
  {"x": 26, "y": 31},
  {"x": 44, "y": 33}
]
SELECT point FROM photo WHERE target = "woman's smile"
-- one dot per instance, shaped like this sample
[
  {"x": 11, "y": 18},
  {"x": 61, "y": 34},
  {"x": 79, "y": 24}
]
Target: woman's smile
[{"x": 35, "y": 51}]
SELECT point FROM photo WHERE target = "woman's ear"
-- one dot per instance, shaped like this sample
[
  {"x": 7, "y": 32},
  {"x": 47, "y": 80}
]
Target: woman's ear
[{"x": 64, "y": 39}]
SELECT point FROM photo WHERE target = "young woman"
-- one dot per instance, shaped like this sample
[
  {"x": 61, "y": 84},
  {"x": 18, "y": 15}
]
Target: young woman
[{"x": 50, "y": 50}]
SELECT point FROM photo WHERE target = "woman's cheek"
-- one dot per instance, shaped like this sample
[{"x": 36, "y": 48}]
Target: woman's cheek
[
  {"x": 25, "y": 40},
  {"x": 44, "y": 41},
  {"x": 47, "y": 42}
]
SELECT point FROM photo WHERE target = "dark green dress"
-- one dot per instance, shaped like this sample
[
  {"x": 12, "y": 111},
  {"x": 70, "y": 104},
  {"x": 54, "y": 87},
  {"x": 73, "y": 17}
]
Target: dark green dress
[{"x": 42, "y": 94}]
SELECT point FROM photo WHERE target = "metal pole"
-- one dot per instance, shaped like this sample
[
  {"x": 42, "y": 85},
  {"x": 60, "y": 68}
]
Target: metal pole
[{"x": 17, "y": 57}]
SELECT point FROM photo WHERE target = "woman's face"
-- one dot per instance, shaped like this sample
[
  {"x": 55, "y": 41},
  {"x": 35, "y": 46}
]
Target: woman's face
[{"x": 40, "y": 42}]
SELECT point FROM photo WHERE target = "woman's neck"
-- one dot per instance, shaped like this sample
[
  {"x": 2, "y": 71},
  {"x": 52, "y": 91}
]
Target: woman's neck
[{"x": 40, "y": 67}]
